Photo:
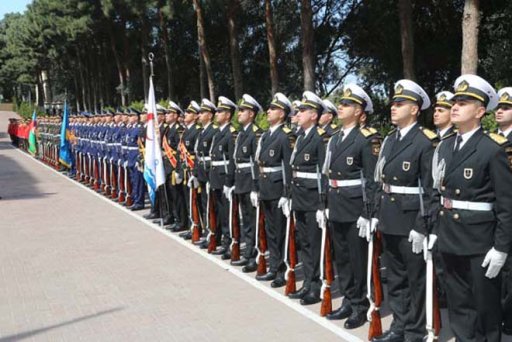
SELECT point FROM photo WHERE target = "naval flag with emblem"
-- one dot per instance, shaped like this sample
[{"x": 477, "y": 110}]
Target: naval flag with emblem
[
  {"x": 65, "y": 156},
  {"x": 32, "y": 144},
  {"x": 153, "y": 167}
]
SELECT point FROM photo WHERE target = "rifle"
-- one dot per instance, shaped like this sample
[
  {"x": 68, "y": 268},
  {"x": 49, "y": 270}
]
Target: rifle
[
  {"x": 326, "y": 271},
  {"x": 211, "y": 221},
  {"x": 290, "y": 251},
  {"x": 113, "y": 180},
  {"x": 128, "y": 185},
  {"x": 120, "y": 182},
  {"x": 373, "y": 272},
  {"x": 260, "y": 241},
  {"x": 194, "y": 210},
  {"x": 107, "y": 177},
  {"x": 234, "y": 226},
  {"x": 433, "y": 314},
  {"x": 78, "y": 167}
]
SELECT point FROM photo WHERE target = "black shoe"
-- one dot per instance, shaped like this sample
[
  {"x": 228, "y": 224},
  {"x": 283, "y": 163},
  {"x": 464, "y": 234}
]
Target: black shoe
[
  {"x": 278, "y": 282},
  {"x": 219, "y": 251},
  {"x": 186, "y": 235},
  {"x": 136, "y": 207},
  {"x": 355, "y": 320},
  {"x": 267, "y": 276},
  {"x": 312, "y": 297},
  {"x": 177, "y": 229},
  {"x": 203, "y": 245},
  {"x": 157, "y": 221},
  {"x": 226, "y": 256},
  {"x": 507, "y": 329},
  {"x": 250, "y": 267},
  {"x": 343, "y": 312},
  {"x": 151, "y": 216},
  {"x": 389, "y": 336},
  {"x": 242, "y": 262},
  {"x": 299, "y": 293}
]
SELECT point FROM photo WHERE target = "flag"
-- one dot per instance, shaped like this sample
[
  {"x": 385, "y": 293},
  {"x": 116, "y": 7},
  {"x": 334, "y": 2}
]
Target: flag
[
  {"x": 32, "y": 144},
  {"x": 65, "y": 156},
  {"x": 154, "y": 173}
]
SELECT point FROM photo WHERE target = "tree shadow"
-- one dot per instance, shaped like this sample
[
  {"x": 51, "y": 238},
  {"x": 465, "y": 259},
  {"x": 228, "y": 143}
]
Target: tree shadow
[{"x": 30, "y": 333}]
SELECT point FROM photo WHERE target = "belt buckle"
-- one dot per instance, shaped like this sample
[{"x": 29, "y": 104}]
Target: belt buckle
[
  {"x": 387, "y": 188},
  {"x": 447, "y": 203}
]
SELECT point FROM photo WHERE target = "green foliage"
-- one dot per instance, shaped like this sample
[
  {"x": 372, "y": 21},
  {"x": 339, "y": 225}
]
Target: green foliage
[
  {"x": 137, "y": 105},
  {"x": 489, "y": 122},
  {"x": 25, "y": 110}
]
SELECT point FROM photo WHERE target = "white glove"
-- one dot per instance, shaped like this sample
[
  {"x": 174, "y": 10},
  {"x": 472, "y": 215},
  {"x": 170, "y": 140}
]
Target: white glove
[
  {"x": 432, "y": 238},
  {"x": 364, "y": 226},
  {"x": 193, "y": 182},
  {"x": 254, "y": 198},
  {"x": 125, "y": 164},
  {"x": 208, "y": 189},
  {"x": 374, "y": 222},
  {"x": 178, "y": 178},
  {"x": 495, "y": 259},
  {"x": 284, "y": 204},
  {"x": 321, "y": 219},
  {"x": 228, "y": 192},
  {"x": 417, "y": 241}
]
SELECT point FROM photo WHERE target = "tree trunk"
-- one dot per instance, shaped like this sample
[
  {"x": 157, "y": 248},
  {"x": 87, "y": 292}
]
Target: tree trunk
[
  {"x": 165, "y": 43},
  {"x": 470, "y": 28},
  {"x": 46, "y": 86},
  {"x": 144, "y": 55},
  {"x": 118, "y": 65},
  {"x": 308, "y": 55},
  {"x": 202, "y": 46},
  {"x": 274, "y": 77},
  {"x": 202, "y": 77},
  {"x": 233, "y": 48},
  {"x": 406, "y": 36}
]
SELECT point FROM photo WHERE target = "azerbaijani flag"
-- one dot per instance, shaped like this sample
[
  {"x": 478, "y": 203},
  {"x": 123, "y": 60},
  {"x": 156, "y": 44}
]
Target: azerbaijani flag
[
  {"x": 65, "y": 156},
  {"x": 32, "y": 143},
  {"x": 154, "y": 173}
]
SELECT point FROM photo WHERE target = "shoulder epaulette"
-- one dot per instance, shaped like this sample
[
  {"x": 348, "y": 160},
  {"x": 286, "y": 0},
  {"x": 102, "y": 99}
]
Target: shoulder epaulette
[
  {"x": 367, "y": 132},
  {"x": 215, "y": 126},
  {"x": 287, "y": 130},
  {"x": 371, "y": 129},
  {"x": 320, "y": 131},
  {"x": 429, "y": 134},
  {"x": 497, "y": 138},
  {"x": 334, "y": 126},
  {"x": 232, "y": 129},
  {"x": 449, "y": 135},
  {"x": 198, "y": 126},
  {"x": 255, "y": 128}
]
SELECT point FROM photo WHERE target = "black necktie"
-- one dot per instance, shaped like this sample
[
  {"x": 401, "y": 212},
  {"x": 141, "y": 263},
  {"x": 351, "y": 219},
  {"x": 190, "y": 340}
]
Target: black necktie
[
  {"x": 340, "y": 137},
  {"x": 398, "y": 135},
  {"x": 457, "y": 143}
]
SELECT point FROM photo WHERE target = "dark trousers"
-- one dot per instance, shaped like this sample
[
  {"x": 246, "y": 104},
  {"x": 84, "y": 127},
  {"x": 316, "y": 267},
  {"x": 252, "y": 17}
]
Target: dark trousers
[
  {"x": 275, "y": 230},
  {"x": 222, "y": 212},
  {"x": 506, "y": 293},
  {"x": 249, "y": 224},
  {"x": 177, "y": 202},
  {"x": 138, "y": 186},
  {"x": 350, "y": 257},
  {"x": 473, "y": 299},
  {"x": 309, "y": 237},
  {"x": 203, "y": 203},
  {"x": 406, "y": 286}
]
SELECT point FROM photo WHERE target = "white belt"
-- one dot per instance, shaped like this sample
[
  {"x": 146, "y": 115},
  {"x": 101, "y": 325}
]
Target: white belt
[
  {"x": 219, "y": 163},
  {"x": 334, "y": 183},
  {"x": 110, "y": 144},
  {"x": 404, "y": 190},
  {"x": 466, "y": 205},
  {"x": 271, "y": 169},
  {"x": 305, "y": 175},
  {"x": 132, "y": 148},
  {"x": 243, "y": 165}
]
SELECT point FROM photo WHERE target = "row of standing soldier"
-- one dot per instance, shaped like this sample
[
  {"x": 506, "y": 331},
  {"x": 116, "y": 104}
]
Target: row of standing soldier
[{"x": 338, "y": 194}]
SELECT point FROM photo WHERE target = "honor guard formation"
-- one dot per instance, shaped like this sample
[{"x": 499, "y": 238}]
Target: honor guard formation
[{"x": 428, "y": 213}]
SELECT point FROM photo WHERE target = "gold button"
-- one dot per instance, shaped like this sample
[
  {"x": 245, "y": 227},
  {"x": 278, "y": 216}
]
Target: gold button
[
  {"x": 441, "y": 213},
  {"x": 338, "y": 191},
  {"x": 382, "y": 197},
  {"x": 392, "y": 199},
  {"x": 330, "y": 171},
  {"x": 394, "y": 178},
  {"x": 383, "y": 176},
  {"x": 298, "y": 167},
  {"x": 339, "y": 173},
  {"x": 457, "y": 191},
  {"x": 455, "y": 216},
  {"x": 443, "y": 188}
]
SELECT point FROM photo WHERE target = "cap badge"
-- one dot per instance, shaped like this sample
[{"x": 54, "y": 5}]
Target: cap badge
[
  {"x": 504, "y": 97},
  {"x": 463, "y": 86},
  {"x": 399, "y": 89},
  {"x": 347, "y": 92}
]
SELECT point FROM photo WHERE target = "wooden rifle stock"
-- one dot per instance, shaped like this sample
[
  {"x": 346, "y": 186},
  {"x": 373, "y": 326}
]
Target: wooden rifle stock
[
  {"x": 375, "y": 323},
  {"x": 262, "y": 242},
  {"x": 437, "y": 311},
  {"x": 326, "y": 307},
  {"x": 212, "y": 221},
  {"x": 195, "y": 215},
  {"x": 107, "y": 178},
  {"x": 120, "y": 177},
  {"x": 128, "y": 185},
  {"x": 291, "y": 285},
  {"x": 235, "y": 239},
  {"x": 113, "y": 181}
]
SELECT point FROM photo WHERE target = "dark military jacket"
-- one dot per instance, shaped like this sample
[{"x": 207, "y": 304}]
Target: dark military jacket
[
  {"x": 274, "y": 151},
  {"x": 308, "y": 157},
  {"x": 171, "y": 133},
  {"x": 346, "y": 159},
  {"x": 479, "y": 172},
  {"x": 221, "y": 150},
  {"x": 202, "y": 151},
  {"x": 245, "y": 149},
  {"x": 402, "y": 163},
  {"x": 188, "y": 139},
  {"x": 331, "y": 129}
]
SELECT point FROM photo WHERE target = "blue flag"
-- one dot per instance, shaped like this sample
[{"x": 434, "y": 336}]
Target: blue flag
[{"x": 65, "y": 156}]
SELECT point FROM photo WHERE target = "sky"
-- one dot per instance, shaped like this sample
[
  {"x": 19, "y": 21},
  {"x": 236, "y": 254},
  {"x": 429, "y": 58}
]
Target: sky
[{"x": 10, "y": 6}]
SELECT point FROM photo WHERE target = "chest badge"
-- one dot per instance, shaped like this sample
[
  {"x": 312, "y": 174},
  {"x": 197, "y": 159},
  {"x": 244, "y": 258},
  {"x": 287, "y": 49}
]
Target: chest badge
[
  {"x": 350, "y": 160},
  {"x": 244, "y": 149},
  {"x": 306, "y": 156},
  {"x": 271, "y": 153},
  {"x": 468, "y": 173},
  {"x": 406, "y": 166}
]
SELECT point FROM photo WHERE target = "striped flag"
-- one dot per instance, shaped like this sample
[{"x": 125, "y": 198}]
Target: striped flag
[
  {"x": 154, "y": 173},
  {"x": 65, "y": 155}
]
